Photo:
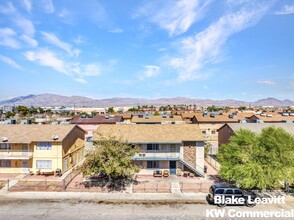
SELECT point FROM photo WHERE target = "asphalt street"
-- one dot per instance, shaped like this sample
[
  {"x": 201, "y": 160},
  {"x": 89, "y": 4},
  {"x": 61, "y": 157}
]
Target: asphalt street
[{"x": 24, "y": 210}]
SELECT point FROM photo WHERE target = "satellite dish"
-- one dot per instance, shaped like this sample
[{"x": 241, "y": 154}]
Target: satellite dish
[
  {"x": 4, "y": 139},
  {"x": 55, "y": 137}
]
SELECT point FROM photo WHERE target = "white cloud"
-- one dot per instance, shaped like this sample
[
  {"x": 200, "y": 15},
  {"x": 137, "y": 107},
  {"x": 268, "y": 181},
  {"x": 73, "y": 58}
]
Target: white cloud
[
  {"x": 266, "y": 82},
  {"x": 7, "y": 10},
  {"x": 25, "y": 25},
  {"x": 175, "y": 17},
  {"x": 30, "y": 41},
  {"x": 10, "y": 62},
  {"x": 149, "y": 72},
  {"x": 28, "y": 5},
  {"x": 53, "y": 39},
  {"x": 81, "y": 80},
  {"x": 286, "y": 9},
  {"x": 48, "y": 6},
  {"x": 92, "y": 69},
  {"x": 116, "y": 30},
  {"x": 45, "y": 57},
  {"x": 206, "y": 47},
  {"x": 7, "y": 38}
]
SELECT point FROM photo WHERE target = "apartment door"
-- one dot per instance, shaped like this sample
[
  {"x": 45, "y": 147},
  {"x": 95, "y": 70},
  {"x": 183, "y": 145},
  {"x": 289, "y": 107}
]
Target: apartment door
[
  {"x": 25, "y": 166},
  {"x": 172, "y": 148},
  {"x": 25, "y": 148},
  {"x": 65, "y": 165},
  {"x": 173, "y": 167}
]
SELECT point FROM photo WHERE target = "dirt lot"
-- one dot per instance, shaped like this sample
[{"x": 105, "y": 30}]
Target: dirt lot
[{"x": 24, "y": 185}]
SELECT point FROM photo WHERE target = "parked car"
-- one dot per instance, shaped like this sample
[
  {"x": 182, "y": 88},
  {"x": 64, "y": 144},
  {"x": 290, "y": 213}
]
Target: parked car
[{"x": 226, "y": 194}]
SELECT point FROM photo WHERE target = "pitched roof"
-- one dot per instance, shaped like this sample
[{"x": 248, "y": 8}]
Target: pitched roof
[
  {"x": 31, "y": 133},
  {"x": 154, "y": 133},
  {"x": 274, "y": 117},
  {"x": 156, "y": 119},
  {"x": 257, "y": 127},
  {"x": 224, "y": 118},
  {"x": 96, "y": 120}
]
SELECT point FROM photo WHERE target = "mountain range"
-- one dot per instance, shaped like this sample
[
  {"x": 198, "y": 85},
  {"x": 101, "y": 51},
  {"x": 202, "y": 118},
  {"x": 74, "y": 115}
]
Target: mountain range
[{"x": 80, "y": 101}]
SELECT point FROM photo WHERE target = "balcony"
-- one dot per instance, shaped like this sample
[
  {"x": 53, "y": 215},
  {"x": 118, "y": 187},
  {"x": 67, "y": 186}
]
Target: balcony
[
  {"x": 15, "y": 155},
  {"x": 157, "y": 155}
]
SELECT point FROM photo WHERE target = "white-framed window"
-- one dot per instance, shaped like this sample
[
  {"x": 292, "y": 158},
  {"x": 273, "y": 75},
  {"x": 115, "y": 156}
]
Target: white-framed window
[
  {"x": 213, "y": 132},
  {"x": 44, "y": 164},
  {"x": 44, "y": 146},
  {"x": 152, "y": 146},
  {"x": 5, "y": 163},
  {"x": 152, "y": 164},
  {"x": 5, "y": 146}
]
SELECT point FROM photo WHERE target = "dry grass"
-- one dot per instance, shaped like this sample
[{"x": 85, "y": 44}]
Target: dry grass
[{"x": 2, "y": 184}]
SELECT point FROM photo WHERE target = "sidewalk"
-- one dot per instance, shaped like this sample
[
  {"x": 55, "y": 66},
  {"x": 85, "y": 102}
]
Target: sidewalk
[
  {"x": 105, "y": 197},
  {"x": 115, "y": 198}
]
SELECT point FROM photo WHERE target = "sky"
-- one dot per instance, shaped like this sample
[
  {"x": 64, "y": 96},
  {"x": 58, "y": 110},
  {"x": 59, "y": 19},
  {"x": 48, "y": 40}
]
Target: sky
[{"x": 229, "y": 49}]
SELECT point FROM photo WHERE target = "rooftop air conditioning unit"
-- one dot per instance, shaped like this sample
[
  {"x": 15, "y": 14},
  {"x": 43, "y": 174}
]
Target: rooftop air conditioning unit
[
  {"x": 285, "y": 114},
  {"x": 212, "y": 115},
  {"x": 106, "y": 116},
  {"x": 163, "y": 116},
  {"x": 262, "y": 114},
  {"x": 140, "y": 116},
  {"x": 55, "y": 137},
  {"x": 4, "y": 139},
  {"x": 291, "y": 114},
  {"x": 269, "y": 115}
]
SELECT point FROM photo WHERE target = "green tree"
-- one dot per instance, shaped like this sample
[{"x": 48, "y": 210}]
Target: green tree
[
  {"x": 260, "y": 161},
  {"x": 156, "y": 113},
  {"x": 242, "y": 108},
  {"x": 41, "y": 110},
  {"x": 111, "y": 110},
  {"x": 9, "y": 114},
  {"x": 207, "y": 147},
  {"x": 22, "y": 110},
  {"x": 112, "y": 156}
]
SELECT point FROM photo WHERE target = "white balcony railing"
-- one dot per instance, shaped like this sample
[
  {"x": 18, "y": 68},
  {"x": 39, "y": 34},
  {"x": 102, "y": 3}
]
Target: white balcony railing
[
  {"x": 157, "y": 155},
  {"x": 14, "y": 154}
]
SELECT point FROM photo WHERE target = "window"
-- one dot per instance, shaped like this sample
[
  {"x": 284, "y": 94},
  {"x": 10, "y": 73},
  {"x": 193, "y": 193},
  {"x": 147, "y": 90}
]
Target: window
[
  {"x": 213, "y": 132},
  {"x": 44, "y": 164},
  {"x": 238, "y": 192},
  {"x": 44, "y": 146},
  {"x": 5, "y": 146},
  {"x": 152, "y": 164},
  {"x": 229, "y": 191},
  {"x": 152, "y": 146},
  {"x": 5, "y": 163},
  {"x": 219, "y": 191},
  {"x": 203, "y": 132}
]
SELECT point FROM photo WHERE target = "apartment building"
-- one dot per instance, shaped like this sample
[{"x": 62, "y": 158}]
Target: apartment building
[
  {"x": 228, "y": 130},
  {"x": 163, "y": 146},
  {"x": 157, "y": 119},
  {"x": 40, "y": 148}
]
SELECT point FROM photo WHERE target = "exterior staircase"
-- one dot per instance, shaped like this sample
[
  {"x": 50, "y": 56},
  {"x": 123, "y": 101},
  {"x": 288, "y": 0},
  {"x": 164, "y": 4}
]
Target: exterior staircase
[{"x": 188, "y": 163}]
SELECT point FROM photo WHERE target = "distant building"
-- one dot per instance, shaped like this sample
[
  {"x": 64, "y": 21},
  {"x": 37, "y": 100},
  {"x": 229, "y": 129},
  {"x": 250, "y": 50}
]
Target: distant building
[
  {"x": 160, "y": 119},
  {"x": 228, "y": 130}
]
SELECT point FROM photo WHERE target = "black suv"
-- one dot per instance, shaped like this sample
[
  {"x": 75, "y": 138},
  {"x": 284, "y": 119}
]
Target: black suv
[{"x": 226, "y": 194}]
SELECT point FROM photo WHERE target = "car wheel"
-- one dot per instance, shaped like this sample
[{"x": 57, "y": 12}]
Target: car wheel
[
  {"x": 221, "y": 205},
  {"x": 250, "y": 204}
]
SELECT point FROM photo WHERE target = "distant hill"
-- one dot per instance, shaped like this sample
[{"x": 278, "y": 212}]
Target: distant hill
[{"x": 79, "y": 101}]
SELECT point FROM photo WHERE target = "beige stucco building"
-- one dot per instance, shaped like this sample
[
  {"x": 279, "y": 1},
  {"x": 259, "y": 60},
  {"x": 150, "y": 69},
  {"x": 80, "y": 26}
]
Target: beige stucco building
[
  {"x": 163, "y": 146},
  {"x": 44, "y": 148}
]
